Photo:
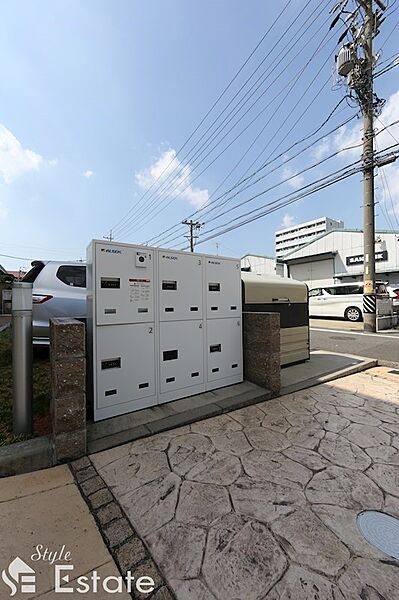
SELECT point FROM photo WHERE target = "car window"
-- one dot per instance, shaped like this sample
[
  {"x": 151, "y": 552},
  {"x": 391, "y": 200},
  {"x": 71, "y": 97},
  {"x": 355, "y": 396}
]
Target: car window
[
  {"x": 72, "y": 275},
  {"x": 315, "y": 292},
  {"x": 343, "y": 290}
]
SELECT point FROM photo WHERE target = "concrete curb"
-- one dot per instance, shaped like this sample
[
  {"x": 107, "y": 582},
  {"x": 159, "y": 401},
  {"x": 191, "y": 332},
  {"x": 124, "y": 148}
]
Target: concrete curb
[
  {"x": 197, "y": 413},
  {"x": 313, "y": 381},
  {"x": 27, "y": 456}
]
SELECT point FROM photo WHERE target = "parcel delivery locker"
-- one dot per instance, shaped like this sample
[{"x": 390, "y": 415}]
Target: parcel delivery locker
[
  {"x": 181, "y": 359},
  {"x": 224, "y": 351},
  {"x": 124, "y": 280},
  {"x": 223, "y": 288},
  {"x": 126, "y": 373},
  {"x": 180, "y": 286}
]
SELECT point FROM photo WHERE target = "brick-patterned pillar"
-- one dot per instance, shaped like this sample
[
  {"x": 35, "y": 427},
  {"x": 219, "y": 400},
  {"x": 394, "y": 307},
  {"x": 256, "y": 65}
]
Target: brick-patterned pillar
[
  {"x": 68, "y": 382},
  {"x": 262, "y": 349}
]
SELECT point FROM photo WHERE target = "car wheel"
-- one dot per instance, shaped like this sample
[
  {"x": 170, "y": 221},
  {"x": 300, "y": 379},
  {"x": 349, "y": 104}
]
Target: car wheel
[{"x": 353, "y": 313}]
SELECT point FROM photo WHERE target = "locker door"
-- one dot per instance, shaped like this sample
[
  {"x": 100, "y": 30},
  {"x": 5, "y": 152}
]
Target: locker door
[
  {"x": 180, "y": 285},
  {"x": 124, "y": 282},
  {"x": 224, "y": 349},
  {"x": 223, "y": 288},
  {"x": 181, "y": 355},
  {"x": 126, "y": 379}
]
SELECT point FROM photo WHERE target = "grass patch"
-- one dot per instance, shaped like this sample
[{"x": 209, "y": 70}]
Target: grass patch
[{"x": 41, "y": 391}]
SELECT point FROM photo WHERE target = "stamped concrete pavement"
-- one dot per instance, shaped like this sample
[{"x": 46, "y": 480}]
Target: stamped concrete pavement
[{"x": 260, "y": 504}]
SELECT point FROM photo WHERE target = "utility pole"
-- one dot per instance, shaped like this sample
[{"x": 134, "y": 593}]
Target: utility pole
[
  {"x": 193, "y": 227},
  {"x": 109, "y": 236},
  {"x": 369, "y": 298},
  {"x": 358, "y": 73}
]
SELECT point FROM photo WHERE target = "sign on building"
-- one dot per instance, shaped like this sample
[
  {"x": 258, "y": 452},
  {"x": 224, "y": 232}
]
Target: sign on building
[{"x": 359, "y": 258}]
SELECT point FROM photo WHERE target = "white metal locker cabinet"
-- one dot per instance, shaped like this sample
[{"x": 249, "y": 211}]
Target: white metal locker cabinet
[
  {"x": 224, "y": 352},
  {"x": 223, "y": 287},
  {"x": 181, "y": 359},
  {"x": 124, "y": 280},
  {"x": 180, "y": 286},
  {"x": 125, "y": 365}
]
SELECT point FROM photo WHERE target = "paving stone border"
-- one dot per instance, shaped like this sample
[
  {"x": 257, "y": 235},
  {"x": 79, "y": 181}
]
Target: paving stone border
[{"x": 125, "y": 546}]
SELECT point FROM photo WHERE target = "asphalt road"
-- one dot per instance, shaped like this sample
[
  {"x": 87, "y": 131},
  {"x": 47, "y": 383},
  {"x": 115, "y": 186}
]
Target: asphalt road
[{"x": 330, "y": 336}]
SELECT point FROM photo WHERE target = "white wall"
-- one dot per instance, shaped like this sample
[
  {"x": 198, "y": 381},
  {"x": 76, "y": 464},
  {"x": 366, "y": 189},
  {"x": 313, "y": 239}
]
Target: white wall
[{"x": 262, "y": 265}]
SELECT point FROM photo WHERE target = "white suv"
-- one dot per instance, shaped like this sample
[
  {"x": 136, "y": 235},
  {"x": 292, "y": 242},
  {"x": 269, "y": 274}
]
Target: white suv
[
  {"x": 339, "y": 300},
  {"x": 343, "y": 300}
]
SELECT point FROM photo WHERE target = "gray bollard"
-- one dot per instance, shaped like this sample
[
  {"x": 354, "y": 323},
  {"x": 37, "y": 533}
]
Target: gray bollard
[{"x": 22, "y": 359}]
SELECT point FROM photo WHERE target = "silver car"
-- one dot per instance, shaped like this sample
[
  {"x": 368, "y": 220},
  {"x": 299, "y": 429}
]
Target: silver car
[{"x": 59, "y": 290}]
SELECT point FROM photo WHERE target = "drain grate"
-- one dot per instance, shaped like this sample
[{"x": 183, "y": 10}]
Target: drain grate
[{"x": 380, "y": 530}]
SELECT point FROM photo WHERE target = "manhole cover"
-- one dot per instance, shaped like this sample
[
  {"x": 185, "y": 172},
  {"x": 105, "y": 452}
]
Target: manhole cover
[{"x": 380, "y": 530}]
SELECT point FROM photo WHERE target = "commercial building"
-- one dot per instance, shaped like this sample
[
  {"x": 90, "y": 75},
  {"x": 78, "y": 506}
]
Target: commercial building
[
  {"x": 337, "y": 257},
  {"x": 262, "y": 265},
  {"x": 292, "y": 238}
]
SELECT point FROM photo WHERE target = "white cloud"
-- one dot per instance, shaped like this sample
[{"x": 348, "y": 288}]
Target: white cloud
[
  {"x": 295, "y": 181},
  {"x": 88, "y": 174},
  {"x": 322, "y": 149},
  {"x": 288, "y": 220},
  {"x": 53, "y": 162},
  {"x": 180, "y": 179},
  {"x": 14, "y": 159}
]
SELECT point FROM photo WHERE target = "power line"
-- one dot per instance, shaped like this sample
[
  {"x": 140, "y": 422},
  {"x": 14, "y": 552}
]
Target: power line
[
  {"x": 237, "y": 136},
  {"x": 152, "y": 205},
  {"x": 265, "y": 164},
  {"x": 214, "y": 104},
  {"x": 274, "y": 169},
  {"x": 383, "y": 204},
  {"x": 206, "y": 210},
  {"x": 321, "y": 183}
]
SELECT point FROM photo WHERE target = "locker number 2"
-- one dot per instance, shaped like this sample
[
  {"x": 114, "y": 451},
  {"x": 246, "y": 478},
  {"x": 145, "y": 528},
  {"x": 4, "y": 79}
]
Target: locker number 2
[{"x": 150, "y": 329}]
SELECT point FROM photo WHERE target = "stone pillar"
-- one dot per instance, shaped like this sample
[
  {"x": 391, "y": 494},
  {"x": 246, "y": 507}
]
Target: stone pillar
[
  {"x": 68, "y": 383},
  {"x": 262, "y": 349}
]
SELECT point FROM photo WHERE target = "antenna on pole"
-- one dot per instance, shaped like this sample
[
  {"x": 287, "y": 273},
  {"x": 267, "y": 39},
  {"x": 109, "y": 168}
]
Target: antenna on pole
[
  {"x": 109, "y": 236},
  {"x": 193, "y": 227}
]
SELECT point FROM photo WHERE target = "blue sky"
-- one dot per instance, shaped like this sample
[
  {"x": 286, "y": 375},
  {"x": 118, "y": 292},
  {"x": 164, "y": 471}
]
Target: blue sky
[{"x": 97, "y": 97}]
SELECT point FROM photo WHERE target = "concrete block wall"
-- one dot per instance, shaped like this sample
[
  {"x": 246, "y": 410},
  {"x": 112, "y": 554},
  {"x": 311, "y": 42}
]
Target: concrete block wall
[
  {"x": 261, "y": 338},
  {"x": 68, "y": 380}
]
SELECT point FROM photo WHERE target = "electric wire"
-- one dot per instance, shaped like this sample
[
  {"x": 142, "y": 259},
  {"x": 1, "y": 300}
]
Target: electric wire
[
  {"x": 145, "y": 209},
  {"x": 321, "y": 45},
  {"x": 218, "y": 99},
  {"x": 322, "y": 184},
  {"x": 205, "y": 210},
  {"x": 273, "y": 170}
]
